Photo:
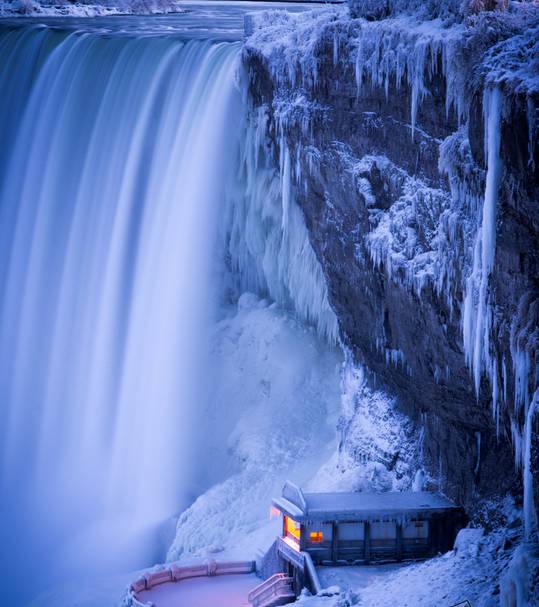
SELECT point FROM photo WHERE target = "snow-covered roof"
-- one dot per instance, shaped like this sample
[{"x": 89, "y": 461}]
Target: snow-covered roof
[{"x": 353, "y": 506}]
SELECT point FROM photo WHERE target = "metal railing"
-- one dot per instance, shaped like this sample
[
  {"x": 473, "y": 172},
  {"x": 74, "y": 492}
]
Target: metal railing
[
  {"x": 278, "y": 586},
  {"x": 314, "y": 580}
]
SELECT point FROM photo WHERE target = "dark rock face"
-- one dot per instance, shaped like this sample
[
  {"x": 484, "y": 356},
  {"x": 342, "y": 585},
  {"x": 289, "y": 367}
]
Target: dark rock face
[{"x": 372, "y": 188}]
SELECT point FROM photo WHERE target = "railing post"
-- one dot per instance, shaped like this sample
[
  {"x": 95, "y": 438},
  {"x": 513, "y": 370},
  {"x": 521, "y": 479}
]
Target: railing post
[
  {"x": 399, "y": 541},
  {"x": 367, "y": 542},
  {"x": 334, "y": 542}
]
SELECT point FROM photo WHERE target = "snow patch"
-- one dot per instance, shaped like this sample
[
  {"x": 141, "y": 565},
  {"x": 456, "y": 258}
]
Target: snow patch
[
  {"x": 445, "y": 580},
  {"x": 66, "y": 8},
  {"x": 379, "y": 448},
  {"x": 280, "y": 387}
]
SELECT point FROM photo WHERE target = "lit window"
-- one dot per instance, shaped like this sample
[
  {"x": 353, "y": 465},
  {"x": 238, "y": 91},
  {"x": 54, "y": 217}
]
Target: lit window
[
  {"x": 316, "y": 537},
  {"x": 274, "y": 513},
  {"x": 291, "y": 528}
]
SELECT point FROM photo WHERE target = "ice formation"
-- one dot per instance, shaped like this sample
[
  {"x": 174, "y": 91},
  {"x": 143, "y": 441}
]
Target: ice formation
[
  {"x": 266, "y": 239},
  {"x": 404, "y": 239},
  {"x": 427, "y": 237},
  {"x": 379, "y": 447},
  {"x": 477, "y": 312},
  {"x": 279, "y": 383}
]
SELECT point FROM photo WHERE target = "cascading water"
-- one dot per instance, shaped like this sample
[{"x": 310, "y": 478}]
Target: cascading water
[{"x": 115, "y": 151}]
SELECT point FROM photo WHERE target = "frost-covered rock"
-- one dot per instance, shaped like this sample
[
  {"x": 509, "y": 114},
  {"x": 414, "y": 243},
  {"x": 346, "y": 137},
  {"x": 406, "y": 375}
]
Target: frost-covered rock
[
  {"x": 414, "y": 161},
  {"x": 379, "y": 448},
  {"x": 377, "y": 9},
  {"x": 519, "y": 586},
  {"x": 467, "y": 542}
]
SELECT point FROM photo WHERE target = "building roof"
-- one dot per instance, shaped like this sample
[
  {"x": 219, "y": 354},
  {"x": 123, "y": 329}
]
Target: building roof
[{"x": 357, "y": 506}]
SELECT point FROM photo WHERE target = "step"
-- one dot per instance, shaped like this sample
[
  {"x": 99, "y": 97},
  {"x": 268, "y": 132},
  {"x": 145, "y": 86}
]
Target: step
[{"x": 276, "y": 590}]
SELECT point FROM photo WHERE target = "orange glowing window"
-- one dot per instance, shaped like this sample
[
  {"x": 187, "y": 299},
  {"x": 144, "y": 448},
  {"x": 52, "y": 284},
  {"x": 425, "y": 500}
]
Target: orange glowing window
[
  {"x": 274, "y": 513},
  {"x": 316, "y": 537},
  {"x": 291, "y": 528}
]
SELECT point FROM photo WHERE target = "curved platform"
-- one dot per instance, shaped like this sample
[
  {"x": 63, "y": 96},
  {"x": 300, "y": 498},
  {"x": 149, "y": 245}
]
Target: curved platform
[
  {"x": 205, "y": 585},
  {"x": 224, "y": 590}
]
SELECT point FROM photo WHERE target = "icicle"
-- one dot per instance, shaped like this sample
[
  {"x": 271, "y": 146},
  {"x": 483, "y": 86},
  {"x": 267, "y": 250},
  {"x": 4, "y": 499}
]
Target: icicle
[
  {"x": 504, "y": 376},
  {"x": 477, "y": 313},
  {"x": 266, "y": 239},
  {"x": 530, "y": 519},
  {"x": 531, "y": 112},
  {"x": 419, "y": 481},
  {"x": 335, "y": 48},
  {"x": 285, "y": 184},
  {"x": 478, "y": 447},
  {"x": 359, "y": 67}
]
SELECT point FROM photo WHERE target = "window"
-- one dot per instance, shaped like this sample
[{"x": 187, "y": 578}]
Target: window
[
  {"x": 416, "y": 530},
  {"x": 383, "y": 531},
  {"x": 291, "y": 528},
  {"x": 316, "y": 537},
  {"x": 351, "y": 532},
  {"x": 274, "y": 512}
]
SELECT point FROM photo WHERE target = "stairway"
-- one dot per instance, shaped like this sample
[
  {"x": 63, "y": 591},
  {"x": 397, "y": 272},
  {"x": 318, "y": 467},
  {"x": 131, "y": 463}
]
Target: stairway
[{"x": 276, "y": 590}]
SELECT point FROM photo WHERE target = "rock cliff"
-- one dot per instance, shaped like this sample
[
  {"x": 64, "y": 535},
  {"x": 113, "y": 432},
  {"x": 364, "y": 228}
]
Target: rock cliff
[{"x": 410, "y": 143}]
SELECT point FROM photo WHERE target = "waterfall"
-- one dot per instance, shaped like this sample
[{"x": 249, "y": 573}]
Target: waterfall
[{"x": 115, "y": 149}]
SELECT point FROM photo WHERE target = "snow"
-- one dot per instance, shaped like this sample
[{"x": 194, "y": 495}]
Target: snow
[
  {"x": 280, "y": 384},
  {"x": 403, "y": 49},
  {"x": 406, "y": 240},
  {"x": 65, "y": 8},
  {"x": 349, "y": 505},
  {"x": 467, "y": 542},
  {"x": 514, "y": 63},
  {"x": 458, "y": 252},
  {"x": 448, "y": 579},
  {"x": 225, "y": 591},
  {"x": 398, "y": 45},
  {"x": 379, "y": 448}
]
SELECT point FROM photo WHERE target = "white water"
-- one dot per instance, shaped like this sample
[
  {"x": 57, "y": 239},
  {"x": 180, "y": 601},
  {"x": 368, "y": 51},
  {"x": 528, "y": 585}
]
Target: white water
[
  {"x": 128, "y": 175},
  {"x": 109, "y": 206}
]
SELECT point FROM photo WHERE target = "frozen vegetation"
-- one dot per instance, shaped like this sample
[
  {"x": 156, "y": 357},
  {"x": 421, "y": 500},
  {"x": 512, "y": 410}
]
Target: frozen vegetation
[
  {"x": 379, "y": 448},
  {"x": 86, "y": 8}
]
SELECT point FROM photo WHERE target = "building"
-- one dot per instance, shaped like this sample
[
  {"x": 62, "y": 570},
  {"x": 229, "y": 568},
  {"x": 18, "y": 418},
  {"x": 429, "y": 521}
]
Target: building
[{"x": 347, "y": 528}]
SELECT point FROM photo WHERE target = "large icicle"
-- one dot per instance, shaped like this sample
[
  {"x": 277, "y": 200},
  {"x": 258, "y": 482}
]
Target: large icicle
[
  {"x": 477, "y": 313},
  {"x": 530, "y": 519}
]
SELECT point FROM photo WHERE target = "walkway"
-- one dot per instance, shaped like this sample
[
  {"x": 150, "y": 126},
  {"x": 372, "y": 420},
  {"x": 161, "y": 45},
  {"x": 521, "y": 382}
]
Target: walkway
[{"x": 223, "y": 590}]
